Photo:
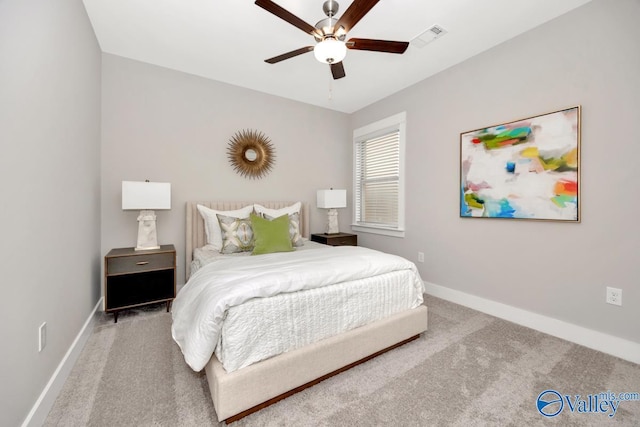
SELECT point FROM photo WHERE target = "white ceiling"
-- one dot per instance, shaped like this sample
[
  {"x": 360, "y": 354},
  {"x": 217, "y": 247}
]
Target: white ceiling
[{"x": 228, "y": 41}]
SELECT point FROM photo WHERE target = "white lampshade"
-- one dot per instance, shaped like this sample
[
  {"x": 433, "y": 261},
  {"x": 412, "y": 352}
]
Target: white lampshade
[
  {"x": 330, "y": 51},
  {"x": 331, "y": 199},
  {"x": 137, "y": 195}
]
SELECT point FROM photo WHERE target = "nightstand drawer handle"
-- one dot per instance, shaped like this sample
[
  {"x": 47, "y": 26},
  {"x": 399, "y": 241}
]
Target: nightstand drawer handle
[{"x": 142, "y": 263}]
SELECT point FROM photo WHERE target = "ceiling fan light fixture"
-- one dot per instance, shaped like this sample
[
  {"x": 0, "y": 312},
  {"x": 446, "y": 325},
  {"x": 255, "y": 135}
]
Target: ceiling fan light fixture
[{"x": 330, "y": 51}]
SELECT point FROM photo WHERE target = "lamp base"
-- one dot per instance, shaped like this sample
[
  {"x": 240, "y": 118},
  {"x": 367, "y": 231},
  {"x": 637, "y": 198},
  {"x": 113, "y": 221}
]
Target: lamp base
[
  {"x": 332, "y": 222},
  {"x": 147, "y": 236},
  {"x": 146, "y": 249}
]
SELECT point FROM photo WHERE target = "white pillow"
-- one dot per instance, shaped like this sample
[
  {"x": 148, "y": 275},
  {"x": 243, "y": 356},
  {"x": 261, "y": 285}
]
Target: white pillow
[
  {"x": 212, "y": 226},
  {"x": 261, "y": 210}
]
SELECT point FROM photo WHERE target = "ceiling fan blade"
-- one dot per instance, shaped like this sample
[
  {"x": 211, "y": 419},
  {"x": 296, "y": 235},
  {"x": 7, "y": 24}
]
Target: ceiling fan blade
[
  {"x": 289, "y": 54},
  {"x": 337, "y": 70},
  {"x": 284, "y": 14},
  {"x": 354, "y": 13},
  {"x": 387, "y": 46}
]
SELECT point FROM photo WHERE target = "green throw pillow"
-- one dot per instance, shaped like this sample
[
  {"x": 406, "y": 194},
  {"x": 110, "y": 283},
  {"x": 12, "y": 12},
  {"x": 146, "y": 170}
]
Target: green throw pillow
[
  {"x": 294, "y": 228},
  {"x": 271, "y": 236}
]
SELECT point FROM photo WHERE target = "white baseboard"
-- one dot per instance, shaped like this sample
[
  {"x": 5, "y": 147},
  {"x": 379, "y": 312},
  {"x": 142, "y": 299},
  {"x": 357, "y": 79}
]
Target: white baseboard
[
  {"x": 43, "y": 405},
  {"x": 619, "y": 347}
]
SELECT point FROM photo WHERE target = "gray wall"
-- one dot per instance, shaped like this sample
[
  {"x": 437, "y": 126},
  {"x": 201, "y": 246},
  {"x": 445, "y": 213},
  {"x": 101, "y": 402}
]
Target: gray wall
[
  {"x": 50, "y": 187},
  {"x": 590, "y": 57},
  {"x": 169, "y": 126}
]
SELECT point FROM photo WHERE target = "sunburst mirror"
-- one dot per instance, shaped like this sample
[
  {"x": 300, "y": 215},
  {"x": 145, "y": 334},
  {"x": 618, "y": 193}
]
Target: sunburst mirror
[{"x": 251, "y": 153}]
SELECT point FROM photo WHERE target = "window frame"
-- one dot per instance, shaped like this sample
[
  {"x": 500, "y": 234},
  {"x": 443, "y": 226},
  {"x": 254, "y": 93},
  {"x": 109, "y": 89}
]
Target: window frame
[{"x": 381, "y": 127}]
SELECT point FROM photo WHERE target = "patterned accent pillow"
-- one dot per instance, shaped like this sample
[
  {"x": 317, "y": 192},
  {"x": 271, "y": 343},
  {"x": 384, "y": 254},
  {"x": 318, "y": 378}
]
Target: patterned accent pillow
[
  {"x": 237, "y": 234},
  {"x": 212, "y": 225},
  {"x": 294, "y": 228}
]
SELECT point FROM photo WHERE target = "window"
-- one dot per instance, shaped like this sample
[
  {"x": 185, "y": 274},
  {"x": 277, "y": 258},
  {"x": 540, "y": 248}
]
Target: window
[{"x": 379, "y": 177}]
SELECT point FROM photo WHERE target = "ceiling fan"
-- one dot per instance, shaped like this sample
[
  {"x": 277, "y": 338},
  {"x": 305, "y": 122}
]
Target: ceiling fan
[{"x": 330, "y": 34}]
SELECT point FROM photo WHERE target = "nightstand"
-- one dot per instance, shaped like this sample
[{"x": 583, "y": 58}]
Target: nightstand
[
  {"x": 338, "y": 239},
  {"x": 134, "y": 278}
]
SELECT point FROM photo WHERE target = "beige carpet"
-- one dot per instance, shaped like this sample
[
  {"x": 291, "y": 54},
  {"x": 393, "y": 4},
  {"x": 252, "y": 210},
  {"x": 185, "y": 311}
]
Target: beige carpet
[{"x": 469, "y": 369}]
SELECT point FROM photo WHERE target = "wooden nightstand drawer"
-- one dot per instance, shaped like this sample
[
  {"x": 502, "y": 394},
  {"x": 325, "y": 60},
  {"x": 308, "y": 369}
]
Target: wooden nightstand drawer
[
  {"x": 139, "y": 263},
  {"x": 339, "y": 239}
]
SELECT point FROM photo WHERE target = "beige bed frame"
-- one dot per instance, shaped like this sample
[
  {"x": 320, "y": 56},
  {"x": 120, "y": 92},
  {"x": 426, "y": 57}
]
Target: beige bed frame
[{"x": 249, "y": 389}]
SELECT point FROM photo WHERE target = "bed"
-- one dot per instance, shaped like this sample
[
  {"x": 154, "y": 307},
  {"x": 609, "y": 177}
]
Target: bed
[{"x": 239, "y": 388}]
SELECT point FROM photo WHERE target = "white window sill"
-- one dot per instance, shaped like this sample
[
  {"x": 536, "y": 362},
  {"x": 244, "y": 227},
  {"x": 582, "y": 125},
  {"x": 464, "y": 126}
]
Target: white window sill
[{"x": 393, "y": 232}]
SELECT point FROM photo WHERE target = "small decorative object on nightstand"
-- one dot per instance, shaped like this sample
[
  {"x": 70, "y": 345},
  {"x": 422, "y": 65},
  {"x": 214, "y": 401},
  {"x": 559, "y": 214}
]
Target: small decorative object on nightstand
[
  {"x": 338, "y": 239},
  {"x": 134, "y": 278}
]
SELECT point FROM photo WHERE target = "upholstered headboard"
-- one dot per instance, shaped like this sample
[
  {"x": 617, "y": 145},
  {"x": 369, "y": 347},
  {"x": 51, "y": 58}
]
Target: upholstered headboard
[{"x": 196, "y": 237}]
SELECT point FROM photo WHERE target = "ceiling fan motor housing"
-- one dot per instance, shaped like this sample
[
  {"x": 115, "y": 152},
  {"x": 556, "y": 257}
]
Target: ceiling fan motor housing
[{"x": 326, "y": 28}]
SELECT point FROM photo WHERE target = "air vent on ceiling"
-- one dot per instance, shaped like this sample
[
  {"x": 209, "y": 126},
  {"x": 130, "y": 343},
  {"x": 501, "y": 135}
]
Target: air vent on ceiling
[{"x": 429, "y": 35}]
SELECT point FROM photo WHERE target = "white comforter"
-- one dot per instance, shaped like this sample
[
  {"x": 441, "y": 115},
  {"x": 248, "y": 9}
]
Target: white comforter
[{"x": 201, "y": 305}]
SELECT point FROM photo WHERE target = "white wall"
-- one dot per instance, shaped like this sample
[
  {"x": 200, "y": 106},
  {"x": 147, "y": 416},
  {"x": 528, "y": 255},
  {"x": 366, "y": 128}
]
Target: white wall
[
  {"x": 169, "y": 126},
  {"x": 50, "y": 186},
  {"x": 590, "y": 57}
]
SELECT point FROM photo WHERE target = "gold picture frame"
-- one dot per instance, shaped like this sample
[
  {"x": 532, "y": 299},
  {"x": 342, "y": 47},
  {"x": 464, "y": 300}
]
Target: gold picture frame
[{"x": 251, "y": 153}]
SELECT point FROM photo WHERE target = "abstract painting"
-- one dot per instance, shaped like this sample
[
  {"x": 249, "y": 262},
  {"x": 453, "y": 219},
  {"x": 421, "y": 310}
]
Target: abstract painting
[{"x": 525, "y": 169}]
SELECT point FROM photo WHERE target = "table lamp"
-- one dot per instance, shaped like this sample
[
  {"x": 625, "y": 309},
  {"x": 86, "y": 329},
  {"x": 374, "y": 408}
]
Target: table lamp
[
  {"x": 146, "y": 196},
  {"x": 332, "y": 199}
]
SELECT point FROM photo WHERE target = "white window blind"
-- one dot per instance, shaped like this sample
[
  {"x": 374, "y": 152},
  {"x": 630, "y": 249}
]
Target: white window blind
[{"x": 377, "y": 176}]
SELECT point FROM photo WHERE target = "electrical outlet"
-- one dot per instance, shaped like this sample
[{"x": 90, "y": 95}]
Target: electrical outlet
[
  {"x": 420, "y": 256},
  {"x": 614, "y": 296},
  {"x": 42, "y": 336}
]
